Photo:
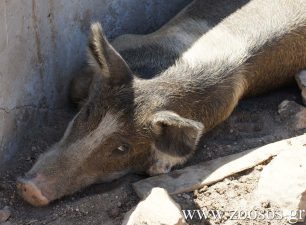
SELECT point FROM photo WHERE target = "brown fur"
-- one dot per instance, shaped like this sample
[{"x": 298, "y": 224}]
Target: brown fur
[{"x": 156, "y": 94}]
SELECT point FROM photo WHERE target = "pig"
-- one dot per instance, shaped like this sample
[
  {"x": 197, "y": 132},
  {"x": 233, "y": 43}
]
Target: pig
[{"x": 149, "y": 98}]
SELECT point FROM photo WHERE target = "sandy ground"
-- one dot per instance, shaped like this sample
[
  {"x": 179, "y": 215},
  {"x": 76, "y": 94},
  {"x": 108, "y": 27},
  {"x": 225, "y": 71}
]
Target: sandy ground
[{"x": 254, "y": 123}]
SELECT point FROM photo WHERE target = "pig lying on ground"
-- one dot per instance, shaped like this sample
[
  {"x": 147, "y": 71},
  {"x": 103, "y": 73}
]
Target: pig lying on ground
[{"x": 148, "y": 98}]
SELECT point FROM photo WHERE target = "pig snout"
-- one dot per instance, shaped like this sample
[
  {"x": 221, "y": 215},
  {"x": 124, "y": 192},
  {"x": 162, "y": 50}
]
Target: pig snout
[
  {"x": 56, "y": 174},
  {"x": 36, "y": 190}
]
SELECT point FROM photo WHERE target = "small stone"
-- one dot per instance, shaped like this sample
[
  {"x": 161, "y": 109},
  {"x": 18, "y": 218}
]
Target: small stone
[
  {"x": 293, "y": 114},
  {"x": 119, "y": 204},
  {"x": 203, "y": 189},
  {"x": 227, "y": 181},
  {"x": 243, "y": 179},
  {"x": 221, "y": 191},
  {"x": 5, "y": 213},
  {"x": 259, "y": 167},
  {"x": 207, "y": 194},
  {"x": 236, "y": 185},
  {"x": 266, "y": 204},
  {"x": 158, "y": 208},
  {"x": 301, "y": 81},
  {"x": 186, "y": 196},
  {"x": 283, "y": 181}
]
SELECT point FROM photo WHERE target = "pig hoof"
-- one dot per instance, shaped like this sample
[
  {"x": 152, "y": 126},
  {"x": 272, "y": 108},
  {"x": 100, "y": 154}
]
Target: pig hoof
[{"x": 31, "y": 193}]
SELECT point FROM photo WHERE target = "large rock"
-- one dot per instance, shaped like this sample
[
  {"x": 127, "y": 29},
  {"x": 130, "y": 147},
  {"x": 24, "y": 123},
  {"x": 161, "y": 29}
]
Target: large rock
[
  {"x": 293, "y": 114},
  {"x": 283, "y": 182},
  {"x": 301, "y": 81},
  {"x": 209, "y": 172},
  {"x": 157, "y": 209}
]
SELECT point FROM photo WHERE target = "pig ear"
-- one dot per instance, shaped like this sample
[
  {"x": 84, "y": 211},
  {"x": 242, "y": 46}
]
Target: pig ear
[
  {"x": 105, "y": 59},
  {"x": 175, "y": 135}
]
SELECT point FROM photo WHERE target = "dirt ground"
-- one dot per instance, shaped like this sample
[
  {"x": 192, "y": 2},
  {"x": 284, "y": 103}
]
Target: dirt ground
[{"x": 254, "y": 123}]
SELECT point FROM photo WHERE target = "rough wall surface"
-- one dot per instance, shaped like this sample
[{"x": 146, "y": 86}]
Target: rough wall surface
[{"x": 43, "y": 41}]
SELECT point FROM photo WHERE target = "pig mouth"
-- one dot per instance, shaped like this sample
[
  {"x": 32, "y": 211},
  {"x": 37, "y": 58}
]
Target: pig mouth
[{"x": 34, "y": 192}]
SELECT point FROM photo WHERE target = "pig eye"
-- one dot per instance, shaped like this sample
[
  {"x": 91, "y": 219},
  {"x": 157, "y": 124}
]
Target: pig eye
[{"x": 123, "y": 149}]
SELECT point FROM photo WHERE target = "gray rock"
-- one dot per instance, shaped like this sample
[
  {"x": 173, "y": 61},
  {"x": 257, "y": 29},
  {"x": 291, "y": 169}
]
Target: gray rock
[
  {"x": 293, "y": 114},
  {"x": 283, "y": 182},
  {"x": 301, "y": 81},
  {"x": 206, "y": 173},
  {"x": 157, "y": 209}
]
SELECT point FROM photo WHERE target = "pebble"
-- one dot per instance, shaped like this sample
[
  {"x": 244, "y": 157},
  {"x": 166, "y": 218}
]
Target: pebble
[
  {"x": 227, "y": 181},
  {"x": 259, "y": 167},
  {"x": 243, "y": 179},
  {"x": 186, "y": 196},
  {"x": 266, "y": 204},
  {"x": 207, "y": 194},
  {"x": 203, "y": 189},
  {"x": 220, "y": 191}
]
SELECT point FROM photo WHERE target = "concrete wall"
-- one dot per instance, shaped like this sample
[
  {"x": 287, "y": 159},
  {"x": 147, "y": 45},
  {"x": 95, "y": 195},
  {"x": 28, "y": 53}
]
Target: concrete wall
[{"x": 43, "y": 41}]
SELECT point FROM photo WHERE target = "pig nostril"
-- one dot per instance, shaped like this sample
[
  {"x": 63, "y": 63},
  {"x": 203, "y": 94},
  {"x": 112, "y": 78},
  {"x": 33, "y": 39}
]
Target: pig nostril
[{"x": 31, "y": 193}]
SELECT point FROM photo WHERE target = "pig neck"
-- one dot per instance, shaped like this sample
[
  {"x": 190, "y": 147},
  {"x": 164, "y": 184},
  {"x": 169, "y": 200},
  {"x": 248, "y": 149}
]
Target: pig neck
[
  {"x": 202, "y": 94},
  {"x": 204, "y": 84}
]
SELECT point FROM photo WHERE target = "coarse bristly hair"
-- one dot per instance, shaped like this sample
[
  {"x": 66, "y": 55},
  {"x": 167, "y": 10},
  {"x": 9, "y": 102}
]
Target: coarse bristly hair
[{"x": 151, "y": 97}]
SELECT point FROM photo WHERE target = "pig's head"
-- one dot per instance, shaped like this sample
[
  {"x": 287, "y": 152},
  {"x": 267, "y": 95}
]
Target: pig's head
[{"x": 111, "y": 135}]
